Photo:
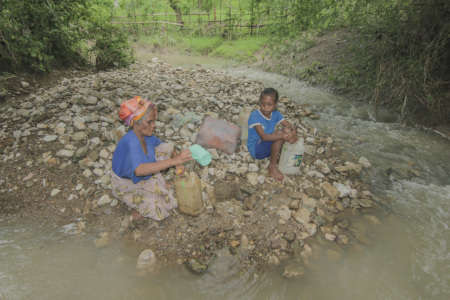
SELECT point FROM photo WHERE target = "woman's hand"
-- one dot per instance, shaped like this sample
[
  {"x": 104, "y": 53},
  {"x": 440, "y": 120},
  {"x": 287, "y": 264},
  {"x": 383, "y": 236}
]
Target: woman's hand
[
  {"x": 182, "y": 157},
  {"x": 179, "y": 170}
]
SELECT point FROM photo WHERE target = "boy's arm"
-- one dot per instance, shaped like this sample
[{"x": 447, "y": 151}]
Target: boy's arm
[
  {"x": 292, "y": 134},
  {"x": 268, "y": 137},
  {"x": 288, "y": 125}
]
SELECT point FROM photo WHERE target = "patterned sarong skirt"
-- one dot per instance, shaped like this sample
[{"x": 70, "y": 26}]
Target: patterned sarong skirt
[{"x": 149, "y": 197}]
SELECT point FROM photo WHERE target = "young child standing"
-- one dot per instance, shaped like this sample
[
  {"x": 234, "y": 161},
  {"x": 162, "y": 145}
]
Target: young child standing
[{"x": 263, "y": 140}]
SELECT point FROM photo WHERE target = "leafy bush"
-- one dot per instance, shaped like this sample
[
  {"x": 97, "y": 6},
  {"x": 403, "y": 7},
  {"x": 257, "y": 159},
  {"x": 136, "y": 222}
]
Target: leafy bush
[
  {"x": 37, "y": 35},
  {"x": 111, "y": 48}
]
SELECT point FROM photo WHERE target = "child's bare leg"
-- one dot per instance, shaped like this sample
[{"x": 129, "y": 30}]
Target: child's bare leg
[{"x": 274, "y": 153}]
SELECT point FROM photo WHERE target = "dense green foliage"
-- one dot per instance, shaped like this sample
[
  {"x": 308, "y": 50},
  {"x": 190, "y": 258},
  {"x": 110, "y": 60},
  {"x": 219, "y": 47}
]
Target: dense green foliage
[{"x": 38, "y": 34}]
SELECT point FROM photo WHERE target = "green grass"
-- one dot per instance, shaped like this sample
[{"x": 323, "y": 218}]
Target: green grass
[
  {"x": 243, "y": 49},
  {"x": 158, "y": 41},
  {"x": 202, "y": 45}
]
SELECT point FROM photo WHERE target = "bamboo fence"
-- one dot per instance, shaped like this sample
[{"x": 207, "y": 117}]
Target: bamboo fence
[{"x": 216, "y": 22}]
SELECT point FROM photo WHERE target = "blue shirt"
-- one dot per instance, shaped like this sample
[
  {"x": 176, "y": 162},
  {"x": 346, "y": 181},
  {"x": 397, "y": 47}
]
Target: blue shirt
[
  {"x": 268, "y": 125},
  {"x": 129, "y": 155}
]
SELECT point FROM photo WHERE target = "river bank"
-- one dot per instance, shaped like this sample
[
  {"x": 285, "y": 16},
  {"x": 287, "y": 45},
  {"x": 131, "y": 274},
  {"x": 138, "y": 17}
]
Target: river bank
[
  {"x": 58, "y": 142},
  {"x": 343, "y": 62}
]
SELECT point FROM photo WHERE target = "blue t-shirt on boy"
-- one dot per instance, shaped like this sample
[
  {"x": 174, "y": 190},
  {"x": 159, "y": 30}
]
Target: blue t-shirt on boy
[{"x": 268, "y": 125}]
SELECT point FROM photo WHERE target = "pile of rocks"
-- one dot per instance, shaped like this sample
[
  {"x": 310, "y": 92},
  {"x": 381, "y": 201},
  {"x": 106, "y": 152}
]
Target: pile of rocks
[{"x": 57, "y": 145}]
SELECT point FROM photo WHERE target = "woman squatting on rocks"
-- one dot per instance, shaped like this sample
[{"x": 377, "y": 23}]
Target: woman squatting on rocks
[{"x": 138, "y": 161}]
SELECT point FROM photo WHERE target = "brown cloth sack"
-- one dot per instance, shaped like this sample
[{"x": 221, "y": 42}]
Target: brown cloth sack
[{"x": 218, "y": 134}]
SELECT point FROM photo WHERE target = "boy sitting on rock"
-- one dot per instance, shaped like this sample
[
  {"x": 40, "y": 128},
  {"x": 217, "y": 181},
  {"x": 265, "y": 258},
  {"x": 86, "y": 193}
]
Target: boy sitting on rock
[{"x": 263, "y": 140}]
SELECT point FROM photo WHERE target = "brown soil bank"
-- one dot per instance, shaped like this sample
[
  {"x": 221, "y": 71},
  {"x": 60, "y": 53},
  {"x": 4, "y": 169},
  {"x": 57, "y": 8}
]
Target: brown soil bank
[{"x": 350, "y": 64}]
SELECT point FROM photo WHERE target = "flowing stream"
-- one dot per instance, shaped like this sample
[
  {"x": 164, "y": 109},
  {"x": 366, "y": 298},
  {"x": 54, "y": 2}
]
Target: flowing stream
[{"x": 403, "y": 255}]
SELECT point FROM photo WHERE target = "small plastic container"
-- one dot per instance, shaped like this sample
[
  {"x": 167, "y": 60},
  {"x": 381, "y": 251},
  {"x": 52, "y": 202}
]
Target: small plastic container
[
  {"x": 200, "y": 154},
  {"x": 189, "y": 194},
  {"x": 291, "y": 157}
]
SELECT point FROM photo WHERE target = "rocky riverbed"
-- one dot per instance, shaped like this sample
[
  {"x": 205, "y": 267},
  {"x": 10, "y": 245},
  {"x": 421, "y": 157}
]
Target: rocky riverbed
[{"x": 56, "y": 147}]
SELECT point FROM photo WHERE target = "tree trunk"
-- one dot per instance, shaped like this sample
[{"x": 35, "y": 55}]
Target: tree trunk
[{"x": 175, "y": 4}]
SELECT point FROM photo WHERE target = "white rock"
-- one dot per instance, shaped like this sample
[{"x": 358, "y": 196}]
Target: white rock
[
  {"x": 230, "y": 168},
  {"x": 79, "y": 136},
  {"x": 79, "y": 125},
  {"x": 185, "y": 133},
  {"x": 310, "y": 202},
  {"x": 104, "y": 154},
  {"x": 242, "y": 170},
  {"x": 344, "y": 190},
  {"x": 104, "y": 200},
  {"x": 169, "y": 132},
  {"x": 311, "y": 229},
  {"x": 253, "y": 167},
  {"x": 65, "y": 153},
  {"x": 146, "y": 260},
  {"x": 49, "y": 138},
  {"x": 98, "y": 172},
  {"x": 220, "y": 174},
  {"x": 284, "y": 212},
  {"x": 54, "y": 192},
  {"x": 214, "y": 154},
  {"x": 310, "y": 150},
  {"x": 365, "y": 162},
  {"x": 330, "y": 236},
  {"x": 59, "y": 130},
  {"x": 17, "y": 134},
  {"x": 252, "y": 178},
  {"x": 322, "y": 167},
  {"x": 261, "y": 179},
  {"x": 87, "y": 173},
  {"x": 302, "y": 215},
  {"x": 91, "y": 100},
  {"x": 356, "y": 167}
]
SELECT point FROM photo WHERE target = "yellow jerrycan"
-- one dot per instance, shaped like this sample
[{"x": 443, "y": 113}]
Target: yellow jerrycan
[{"x": 189, "y": 194}]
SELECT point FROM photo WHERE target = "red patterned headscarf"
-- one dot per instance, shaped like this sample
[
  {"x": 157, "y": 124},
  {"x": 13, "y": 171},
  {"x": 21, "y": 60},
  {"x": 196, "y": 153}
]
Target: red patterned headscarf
[{"x": 133, "y": 109}]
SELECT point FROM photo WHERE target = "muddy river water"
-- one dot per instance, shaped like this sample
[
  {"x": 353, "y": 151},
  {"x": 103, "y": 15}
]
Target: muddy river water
[{"x": 405, "y": 255}]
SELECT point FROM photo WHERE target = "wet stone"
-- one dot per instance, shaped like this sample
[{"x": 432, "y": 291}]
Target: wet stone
[
  {"x": 319, "y": 220},
  {"x": 342, "y": 240},
  {"x": 224, "y": 190},
  {"x": 294, "y": 271},
  {"x": 102, "y": 242},
  {"x": 290, "y": 236},
  {"x": 195, "y": 266},
  {"x": 364, "y": 202},
  {"x": 94, "y": 155},
  {"x": 314, "y": 193},
  {"x": 294, "y": 205},
  {"x": 147, "y": 259},
  {"x": 250, "y": 203},
  {"x": 302, "y": 215}
]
